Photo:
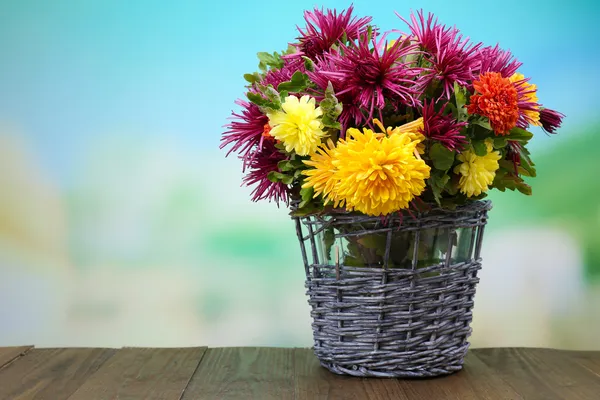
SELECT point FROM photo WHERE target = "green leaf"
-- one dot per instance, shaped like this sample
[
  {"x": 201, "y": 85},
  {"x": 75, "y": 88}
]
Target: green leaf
[
  {"x": 309, "y": 64},
  {"x": 298, "y": 83},
  {"x": 526, "y": 162},
  {"x": 273, "y": 96},
  {"x": 500, "y": 142},
  {"x": 331, "y": 108},
  {"x": 285, "y": 166},
  {"x": 479, "y": 148},
  {"x": 506, "y": 180},
  {"x": 460, "y": 95},
  {"x": 257, "y": 99},
  {"x": 252, "y": 78},
  {"x": 441, "y": 157},
  {"x": 519, "y": 134},
  {"x": 437, "y": 183},
  {"x": 307, "y": 193},
  {"x": 483, "y": 123},
  {"x": 329, "y": 122},
  {"x": 275, "y": 176},
  {"x": 271, "y": 60}
]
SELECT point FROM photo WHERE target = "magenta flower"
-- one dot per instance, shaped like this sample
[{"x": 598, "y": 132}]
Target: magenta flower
[
  {"x": 425, "y": 33},
  {"x": 494, "y": 59},
  {"x": 325, "y": 29},
  {"x": 352, "y": 115},
  {"x": 443, "y": 128},
  {"x": 245, "y": 133},
  {"x": 375, "y": 75},
  {"x": 264, "y": 161},
  {"x": 453, "y": 58},
  {"x": 513, "y": 153},
  {"x": 453, "y": 61},
  {"x": 550, "y": 120}
]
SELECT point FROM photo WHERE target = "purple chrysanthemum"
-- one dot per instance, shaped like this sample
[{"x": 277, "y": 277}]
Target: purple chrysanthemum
[
  {"x": 453, "y": 58},
  {"x": 550, "y": 120},
  {"x": 245, "y": 133},
  {"x": 324, "y": 29},
  {"x": 352, "y": 114},
  {"x": 494, "y": 59},
  {"x": 513, "y": 153},
  {"x": 443, "y": 128},
  {"x": 375, "y": 75},
  {"x": 262, "y": 162},
  {"x": 425, "y": 33}
]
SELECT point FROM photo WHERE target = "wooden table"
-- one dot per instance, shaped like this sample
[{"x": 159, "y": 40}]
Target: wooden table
[{"x": 281, "y": 373}]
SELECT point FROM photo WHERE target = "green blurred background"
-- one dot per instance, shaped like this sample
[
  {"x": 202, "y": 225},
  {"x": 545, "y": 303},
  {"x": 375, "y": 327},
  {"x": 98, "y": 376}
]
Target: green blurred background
[{"x": 121, "y": 223}]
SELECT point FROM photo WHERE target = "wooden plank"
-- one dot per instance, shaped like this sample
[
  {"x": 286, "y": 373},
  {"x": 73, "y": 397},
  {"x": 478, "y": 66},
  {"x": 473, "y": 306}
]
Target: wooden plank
[
  {"x": 312, "y": 381},
  {"x": 8, "y": 354},
  {"x": 475, "y": 381},
  {"x": 542, "y": 373},
  {"x": 50, "y": 373},
  {"x": 142, "y": 373},
  {"x": 244, "y": 373},
  {"x": 590, "y": 360}
]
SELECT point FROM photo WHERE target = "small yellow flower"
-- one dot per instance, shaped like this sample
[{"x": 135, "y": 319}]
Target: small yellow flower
[
  {"x": 378, "y": 175},
  {"x": 321, "y": 176},
  {"x": 297, "y": 125},
  {"x": 527, "y": 92},
  {"x": 477, "y": 173}
]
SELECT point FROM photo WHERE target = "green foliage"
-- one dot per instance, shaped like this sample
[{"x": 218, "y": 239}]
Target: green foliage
[
  {"x": 479, "y": 148},
  {"x": 331, "y": 108},
  {"x": 441, "y": 157},
  {"x": 306, "y": 194},
  {"x": 500, "y": 142},
  {"x": 505, "y": 179},
  {"x": 268, "y": 99},
  {"x": 438, "y": 181},
  {"x": 526, "y": 163},
  {"x": 520, "y": 135},
  {"x": 460, "y": 98},
  {"x": 308, "y": 64},
  {"x": 297, "y": 84},
  {"x": 275, "y": 176},
  {"x": 269, "y": 60}
]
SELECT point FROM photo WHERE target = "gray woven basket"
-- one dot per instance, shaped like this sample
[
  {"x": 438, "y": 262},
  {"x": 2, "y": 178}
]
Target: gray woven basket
[{"x": 392, "y": 297}]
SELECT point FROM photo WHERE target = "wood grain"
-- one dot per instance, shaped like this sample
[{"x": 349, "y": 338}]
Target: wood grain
[
  {"x": 278, "y": 373},
  {"x": 590, "y": 360},
  {"x": 476, "y": 381},
  {"x": 8, "y": 354},
  {"x": 315, "y": 382},
  {"x": 142, "y": 373},
  {"x": 244, "y": 373},
  {"x": 50, "y": 373},
  {"x": 542, "y": 373}
]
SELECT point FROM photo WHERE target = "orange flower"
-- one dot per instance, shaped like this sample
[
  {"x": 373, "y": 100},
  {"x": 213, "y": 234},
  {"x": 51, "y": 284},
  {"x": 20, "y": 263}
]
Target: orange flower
[{"x": 497, "y": 99}]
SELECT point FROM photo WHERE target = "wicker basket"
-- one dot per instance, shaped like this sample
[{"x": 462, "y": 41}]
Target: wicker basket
[{"x": 392, "y": 297}]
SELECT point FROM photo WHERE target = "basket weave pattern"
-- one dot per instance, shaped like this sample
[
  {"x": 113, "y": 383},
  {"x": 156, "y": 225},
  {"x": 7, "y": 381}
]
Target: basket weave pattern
[{"x": 385, "y": 321}]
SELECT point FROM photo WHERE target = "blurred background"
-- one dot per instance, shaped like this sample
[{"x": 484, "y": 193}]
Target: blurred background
[{"x": 122, "y": 224}]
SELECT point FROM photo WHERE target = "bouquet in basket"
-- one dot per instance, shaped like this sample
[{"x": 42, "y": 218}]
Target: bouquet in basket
[{"x": 352, "y": 118}]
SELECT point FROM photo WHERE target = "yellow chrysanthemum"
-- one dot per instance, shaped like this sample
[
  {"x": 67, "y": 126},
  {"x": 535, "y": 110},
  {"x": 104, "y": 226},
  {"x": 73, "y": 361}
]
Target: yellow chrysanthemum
[
  {"x": 378, "y": 175},
  {"x": 477, "y": 173},
  {"x": 321, "y": 176},
  {"x": 412, "y": 129},
  {"x": 298, "y": 125},
  {"x": 527, "y": 92}
]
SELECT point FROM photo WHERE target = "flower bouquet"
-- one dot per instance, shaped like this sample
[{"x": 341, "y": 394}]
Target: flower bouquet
[{"x": 384, "y": 145}]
